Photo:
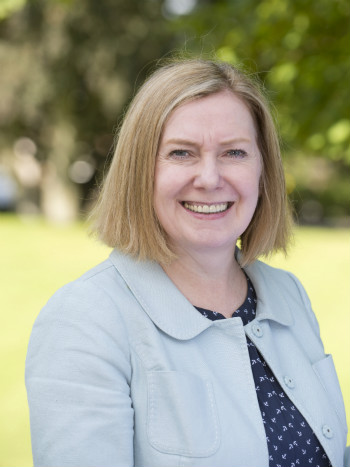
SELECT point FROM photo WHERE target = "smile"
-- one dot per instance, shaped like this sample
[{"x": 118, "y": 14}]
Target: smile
[{"x": 207, "y": 208}]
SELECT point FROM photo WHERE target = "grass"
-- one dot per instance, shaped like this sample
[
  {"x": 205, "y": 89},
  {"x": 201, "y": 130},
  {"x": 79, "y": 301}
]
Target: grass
[{"x": 37, "y": 258}]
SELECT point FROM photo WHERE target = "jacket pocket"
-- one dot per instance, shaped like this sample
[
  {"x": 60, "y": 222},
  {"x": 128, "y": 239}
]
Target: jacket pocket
[
  {"x": 182, "y": 417},
  {"x": 325, "y": 370}
]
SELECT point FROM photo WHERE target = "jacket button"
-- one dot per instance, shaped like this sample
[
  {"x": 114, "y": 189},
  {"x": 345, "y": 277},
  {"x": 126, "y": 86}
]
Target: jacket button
[
  {"x": 289, "y": 382},
  {"x": 327, "y": 432},
  {"x": 257, "y": 329}
]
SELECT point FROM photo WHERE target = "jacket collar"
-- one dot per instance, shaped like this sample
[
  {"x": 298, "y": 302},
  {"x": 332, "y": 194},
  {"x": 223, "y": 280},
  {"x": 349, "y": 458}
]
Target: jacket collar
[
  {"x": 159, "y": 297},
  {"x": 173, "y": 313},
  {"x": 269, "y": 286}
]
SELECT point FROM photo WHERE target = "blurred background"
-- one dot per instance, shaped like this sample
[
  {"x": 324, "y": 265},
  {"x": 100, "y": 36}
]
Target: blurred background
[{"x": 68, "y": 70}]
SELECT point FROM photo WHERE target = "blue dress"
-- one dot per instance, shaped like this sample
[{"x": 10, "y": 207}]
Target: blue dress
[{"x": 290, "y": 440}]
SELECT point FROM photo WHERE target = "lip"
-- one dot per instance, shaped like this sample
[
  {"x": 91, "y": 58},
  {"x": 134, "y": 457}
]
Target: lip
[
  {"x": 207, "y": 215},
  {"x": 204, "y": 203}
]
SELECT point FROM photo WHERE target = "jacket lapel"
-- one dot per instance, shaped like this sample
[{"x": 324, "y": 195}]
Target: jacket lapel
[
  {"x": 159, "y": 297},
  {"x": 272, "y": 303},
  {"x": 174, "y": 314}
]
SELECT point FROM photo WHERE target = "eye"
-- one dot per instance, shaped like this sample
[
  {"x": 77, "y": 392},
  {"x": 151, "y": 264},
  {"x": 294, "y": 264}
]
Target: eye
[
  {"x": 179, "y": 154},
  {"x": 236, "y": 153}
]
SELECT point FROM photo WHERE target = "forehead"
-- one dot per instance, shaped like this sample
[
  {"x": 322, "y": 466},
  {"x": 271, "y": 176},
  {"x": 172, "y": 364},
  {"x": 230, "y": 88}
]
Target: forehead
[{"x": 223, "y": 113}]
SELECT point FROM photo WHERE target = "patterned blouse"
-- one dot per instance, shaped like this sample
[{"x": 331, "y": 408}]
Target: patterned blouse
[{"x": 290, "y": 440}]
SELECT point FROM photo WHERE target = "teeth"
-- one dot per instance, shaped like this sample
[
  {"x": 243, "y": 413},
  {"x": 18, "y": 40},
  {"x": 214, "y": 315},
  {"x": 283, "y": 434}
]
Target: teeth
[{"x": 206, "y": 208}]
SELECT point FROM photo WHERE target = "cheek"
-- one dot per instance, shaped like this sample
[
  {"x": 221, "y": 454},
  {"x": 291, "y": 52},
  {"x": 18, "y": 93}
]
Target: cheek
[
  {"x": 256, "y": 179},
  {"x": 249, "y": 184},
  {"x": 164, "y": 188},
  {"x": 169, "y": 181},
  {"x": 158, "y": 197}
]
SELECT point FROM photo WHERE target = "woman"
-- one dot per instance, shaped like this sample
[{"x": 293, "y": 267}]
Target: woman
[{"x": 180, "y": 349}]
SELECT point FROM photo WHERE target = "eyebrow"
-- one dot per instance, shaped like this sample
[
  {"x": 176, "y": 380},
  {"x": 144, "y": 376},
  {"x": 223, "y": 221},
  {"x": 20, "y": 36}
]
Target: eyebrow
[{"x": 188, "y": 142}]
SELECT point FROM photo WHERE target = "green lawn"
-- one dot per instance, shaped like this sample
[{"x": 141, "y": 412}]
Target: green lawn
[{"x": 37, "y": 258}]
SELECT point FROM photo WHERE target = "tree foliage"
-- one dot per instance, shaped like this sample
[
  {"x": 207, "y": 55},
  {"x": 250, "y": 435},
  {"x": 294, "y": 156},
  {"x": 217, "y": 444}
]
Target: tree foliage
[
  {"x": 299, "y": 49},
  {"x": 69, "y": 68}
]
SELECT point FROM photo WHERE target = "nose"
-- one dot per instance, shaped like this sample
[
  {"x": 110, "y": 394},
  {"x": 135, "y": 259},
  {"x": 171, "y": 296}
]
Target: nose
[{"x": 208, "y": 174}]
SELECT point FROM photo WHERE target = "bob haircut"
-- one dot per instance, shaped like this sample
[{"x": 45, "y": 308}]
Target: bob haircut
[{"x": 124, "y": 215}]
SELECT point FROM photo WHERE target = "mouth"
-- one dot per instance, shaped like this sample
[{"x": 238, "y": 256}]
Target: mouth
[{"x": 207, "y": 208}]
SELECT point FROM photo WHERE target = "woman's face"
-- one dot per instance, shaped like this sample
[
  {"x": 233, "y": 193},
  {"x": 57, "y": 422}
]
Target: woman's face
[{"x": 207, "y": 174}]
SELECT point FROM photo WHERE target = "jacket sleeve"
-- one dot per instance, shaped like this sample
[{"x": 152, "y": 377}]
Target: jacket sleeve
[{"x": 78, "y": 382}]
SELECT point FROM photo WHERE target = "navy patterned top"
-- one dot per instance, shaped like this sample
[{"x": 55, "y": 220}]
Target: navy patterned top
[{"x": 290, "y": 440}]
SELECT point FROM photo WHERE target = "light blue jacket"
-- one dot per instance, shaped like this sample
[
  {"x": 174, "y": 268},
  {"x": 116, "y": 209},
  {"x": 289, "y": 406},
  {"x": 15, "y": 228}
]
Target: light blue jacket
[{"x": 123, "y": 371}]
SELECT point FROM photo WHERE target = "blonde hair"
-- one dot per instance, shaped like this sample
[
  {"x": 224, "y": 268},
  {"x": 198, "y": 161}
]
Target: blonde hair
[{"x": 124, "y": 216}]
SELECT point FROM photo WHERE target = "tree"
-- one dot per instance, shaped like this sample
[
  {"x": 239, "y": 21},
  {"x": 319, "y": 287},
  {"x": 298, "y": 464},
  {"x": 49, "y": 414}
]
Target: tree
[
  {"x": 69, "y": 68},
  {"x": 300, "y": 51}
]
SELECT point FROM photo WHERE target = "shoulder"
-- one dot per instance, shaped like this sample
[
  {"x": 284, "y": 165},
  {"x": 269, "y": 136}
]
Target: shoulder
[
  {"x": 83, "y": 297},
  {"x": 81, "y": 324},
  {"x": 91, "y": 305},
  {"x": 272, "y": 277}
]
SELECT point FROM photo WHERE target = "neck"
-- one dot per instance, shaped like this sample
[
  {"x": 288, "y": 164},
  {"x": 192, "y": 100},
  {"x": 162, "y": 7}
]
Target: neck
[{"x": 215, "y": 282}]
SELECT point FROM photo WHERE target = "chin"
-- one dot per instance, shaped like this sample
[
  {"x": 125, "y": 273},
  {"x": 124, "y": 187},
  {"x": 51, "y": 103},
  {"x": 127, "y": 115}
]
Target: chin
[{"x": 212, "y": 245}]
